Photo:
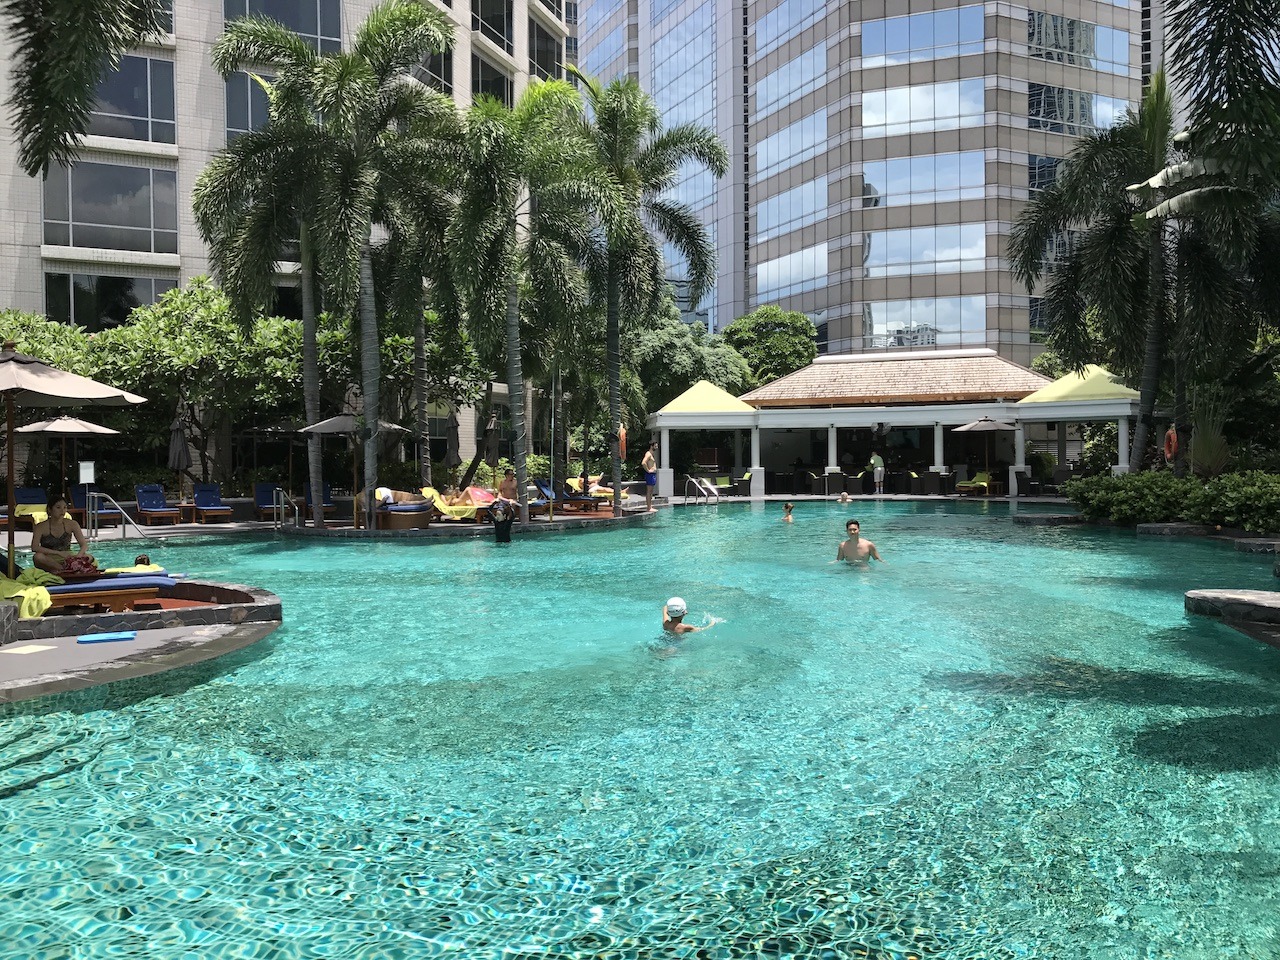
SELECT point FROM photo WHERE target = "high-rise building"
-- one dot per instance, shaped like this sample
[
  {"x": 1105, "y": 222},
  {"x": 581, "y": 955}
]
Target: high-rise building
[
  {"x": 880, "y": 156},
  {"x": 115, "y": 229}
]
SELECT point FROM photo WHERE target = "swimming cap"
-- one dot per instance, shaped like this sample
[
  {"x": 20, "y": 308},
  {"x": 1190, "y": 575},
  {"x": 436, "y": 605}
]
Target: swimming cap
[{"x": 676, "y": 607}]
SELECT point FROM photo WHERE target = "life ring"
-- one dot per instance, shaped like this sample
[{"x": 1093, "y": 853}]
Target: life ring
[
  {"x": 1170, "y": 443},
  {"x": 622, "y": 442}
]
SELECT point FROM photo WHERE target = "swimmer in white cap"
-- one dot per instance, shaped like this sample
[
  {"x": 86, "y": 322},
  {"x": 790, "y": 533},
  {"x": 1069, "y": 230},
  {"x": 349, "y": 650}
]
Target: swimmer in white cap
[{"x": 673, "y": 613}]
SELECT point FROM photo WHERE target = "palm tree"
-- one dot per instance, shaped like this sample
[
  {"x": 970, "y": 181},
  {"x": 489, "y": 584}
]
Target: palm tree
[
  {"x": 644, "y": 162},
  {"x": 370, "y": 118},
  {"x": 524, "y": 209},
  {"x": 63, "y": 47}
]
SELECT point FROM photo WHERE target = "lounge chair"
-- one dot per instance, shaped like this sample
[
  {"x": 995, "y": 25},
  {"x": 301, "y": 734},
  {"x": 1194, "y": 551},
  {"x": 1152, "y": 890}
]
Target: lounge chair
[
  {"x": 208, "y": 502},
  {"x": 577, "y": 500},
  {"x": 152, "y": 507},
  {"x": 742, "y": 485},
  {"x": 107, "y": 516},
  {"x": 980, "y": 483},
  {"x": 112, "y": 593},
  {"x": 405, "y": 511},
  {"x": 462, "y": 511},
  {"x": 264, "y": 499},
  {"x": 325, "y": 507},
  {"x": 32, "y": 504}
]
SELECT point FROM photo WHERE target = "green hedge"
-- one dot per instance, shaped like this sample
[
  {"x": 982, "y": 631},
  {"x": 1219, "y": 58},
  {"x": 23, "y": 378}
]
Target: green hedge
[{"x": 1247, "y": 501}]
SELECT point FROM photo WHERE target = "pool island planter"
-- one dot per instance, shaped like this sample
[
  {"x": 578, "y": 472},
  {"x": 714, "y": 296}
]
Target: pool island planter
[{"x": 449, "y": 530}]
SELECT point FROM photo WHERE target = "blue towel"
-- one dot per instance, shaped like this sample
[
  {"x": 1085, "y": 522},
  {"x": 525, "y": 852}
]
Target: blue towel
[{"x": 107, "y": 637}]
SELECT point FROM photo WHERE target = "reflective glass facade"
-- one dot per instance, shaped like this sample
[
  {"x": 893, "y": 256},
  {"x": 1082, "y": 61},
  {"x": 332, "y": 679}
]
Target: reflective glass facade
[
  {"x": 488, "y": 80},
  {"x": 791, "y": 81},
  {"x": 785, "y": 21},
  {"x": 113, "y": 206},
  {"x": 929, "y": 178},
  {"x": 923, "y": 108},
  {"x": 1076, "y": 112},
  {"x": 791, "y": 145},
  {"x": 319, "y": 21},
  {"x": 135, "y": 102},
  {"x": 1042, "y": 171},
  {"x": 1064, "y": 40},
  {"x": 954, "y": 248},
  {"x": 929, "y": 322},
  {"x": 97, "y": 301},
  {"x": 798, "y": 207},
  {"x": 794, "y": 273},
  {"x": 922, "y": 36}
]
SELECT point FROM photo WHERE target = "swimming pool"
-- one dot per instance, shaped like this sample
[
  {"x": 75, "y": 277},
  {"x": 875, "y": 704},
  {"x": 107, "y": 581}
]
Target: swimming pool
[{"x": 1006, "y": 742}]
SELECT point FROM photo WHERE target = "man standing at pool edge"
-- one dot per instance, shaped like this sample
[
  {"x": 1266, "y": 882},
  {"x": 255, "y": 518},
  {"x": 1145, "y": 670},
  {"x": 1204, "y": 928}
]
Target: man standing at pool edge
[
  {"x": 855, "y": 549},
  {"x": 650, "y": 467},
  {"x": 877, "y": 471}
]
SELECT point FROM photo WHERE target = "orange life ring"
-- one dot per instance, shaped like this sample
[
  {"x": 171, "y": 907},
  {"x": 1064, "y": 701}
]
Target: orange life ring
[
  {"x": 1170, "y": 443},
  {"x": 622, "y": 442}
]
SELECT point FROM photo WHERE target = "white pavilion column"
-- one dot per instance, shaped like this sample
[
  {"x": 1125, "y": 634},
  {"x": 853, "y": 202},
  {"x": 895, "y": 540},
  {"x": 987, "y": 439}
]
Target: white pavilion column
[
  {"x": 1019, "y": 457},
  {"x": 833, "y": 460},
  {"x": 939, "y": 463},
  {"x": 1122, "y": 447},
  {"x": 757, "y": 468},
  {"x": 666, "y": 476}
]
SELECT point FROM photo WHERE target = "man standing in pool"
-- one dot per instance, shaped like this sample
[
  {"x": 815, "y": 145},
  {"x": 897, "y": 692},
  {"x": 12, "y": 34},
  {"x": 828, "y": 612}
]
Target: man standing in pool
[
  {"x": 856, "y": 549},
  {"x": 650, "y": 467}
]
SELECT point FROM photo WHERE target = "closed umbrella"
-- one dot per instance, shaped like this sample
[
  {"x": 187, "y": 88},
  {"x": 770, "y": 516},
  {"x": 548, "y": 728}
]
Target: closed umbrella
[
  {"x": 988, "y": 426},
  {"x": 179, "y": 452},
  {"x": 67, "y": 426},
  {"x": 452, "y": 455},
  {"x": 28, "y": 382},
  {"x": 348, "y": 424}
]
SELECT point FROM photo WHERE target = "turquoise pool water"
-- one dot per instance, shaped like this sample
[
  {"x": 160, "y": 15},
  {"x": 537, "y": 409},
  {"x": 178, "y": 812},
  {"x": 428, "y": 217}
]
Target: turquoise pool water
[{"x": 1007, "y": 742}]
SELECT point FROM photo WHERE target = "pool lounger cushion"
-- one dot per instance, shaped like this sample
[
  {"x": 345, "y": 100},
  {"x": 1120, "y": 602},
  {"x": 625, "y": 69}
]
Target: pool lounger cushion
[
  {"x": 107, "y": 637},
  {"x": 111, "y": 583},
  {"x": 423, "y": 507}
]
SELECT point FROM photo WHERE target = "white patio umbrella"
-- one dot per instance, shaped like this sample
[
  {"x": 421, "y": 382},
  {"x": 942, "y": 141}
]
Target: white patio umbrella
[
  {"x": 985, "y": 425},
  {"x": 28, "y": 382},
  {"x": 348, "y": 423},
  {"x": 67, "y": 426}
]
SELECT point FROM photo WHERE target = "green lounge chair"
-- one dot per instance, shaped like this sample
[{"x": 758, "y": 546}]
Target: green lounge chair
[{"x": 979, "y": 484}]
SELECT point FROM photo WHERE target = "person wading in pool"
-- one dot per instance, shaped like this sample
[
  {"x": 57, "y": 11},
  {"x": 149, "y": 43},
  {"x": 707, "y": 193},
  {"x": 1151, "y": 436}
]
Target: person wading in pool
[
  {"x": 786, "y": 512},
  {"x": 673, "y": 613},
  {"x": 856, "y": 549}
]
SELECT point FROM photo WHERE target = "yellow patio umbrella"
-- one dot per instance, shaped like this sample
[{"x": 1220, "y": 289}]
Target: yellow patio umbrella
[{"x": 28, "y": 382}]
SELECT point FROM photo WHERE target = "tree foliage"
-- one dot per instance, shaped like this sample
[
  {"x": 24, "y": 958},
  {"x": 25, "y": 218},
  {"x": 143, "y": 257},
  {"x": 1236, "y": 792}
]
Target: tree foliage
[{"x": 773, "y": 341}]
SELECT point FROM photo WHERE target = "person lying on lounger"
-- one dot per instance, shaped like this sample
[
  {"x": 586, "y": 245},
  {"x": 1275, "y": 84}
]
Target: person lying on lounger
[{"x": 51, "y": 538}]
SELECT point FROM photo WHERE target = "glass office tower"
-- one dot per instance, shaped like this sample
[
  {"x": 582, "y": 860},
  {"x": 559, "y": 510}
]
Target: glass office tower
[{"x": 880, "y": 156}]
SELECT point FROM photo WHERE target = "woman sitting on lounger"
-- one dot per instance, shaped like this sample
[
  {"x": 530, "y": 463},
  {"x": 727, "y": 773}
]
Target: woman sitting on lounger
[{"x": 51, "y": 538}]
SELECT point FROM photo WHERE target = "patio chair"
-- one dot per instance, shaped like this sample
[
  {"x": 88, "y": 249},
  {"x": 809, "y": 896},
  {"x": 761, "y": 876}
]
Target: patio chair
[
  {"x": 462, "y": 511},
  {"x": 742, "y": 485},
  {"x": 208, "y": 502},
  {"x": 152, "y": 507},
  {"x": 264, "y": 499},
  {"x": 325, "y": 507},
  {"x": 980, "y": 483},
  {"x": 107, "y": 516},
  {"x": 579, "y": 501},
  {"x": 32, "y": 504}
]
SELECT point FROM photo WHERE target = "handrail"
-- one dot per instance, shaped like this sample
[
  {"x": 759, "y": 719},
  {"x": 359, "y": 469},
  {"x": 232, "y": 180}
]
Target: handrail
[
  {"x": 93, "y": 503},
  {"x": 281, "y": 501},
  {"x": 705, "y": 491}
]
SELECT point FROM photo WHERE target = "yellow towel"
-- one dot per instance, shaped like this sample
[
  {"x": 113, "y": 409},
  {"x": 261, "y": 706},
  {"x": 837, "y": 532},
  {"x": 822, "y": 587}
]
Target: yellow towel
[
  {"x": 32, "y": 601},
  {"x": 36, "y": 511},
  {"x": 35, "y": 577},
  {"x": 136, "y": 568},
  {"x": 460, "y": 512}
]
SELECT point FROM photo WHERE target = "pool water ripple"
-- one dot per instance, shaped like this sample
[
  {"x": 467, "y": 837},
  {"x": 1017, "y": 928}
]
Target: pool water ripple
[{"x": 1007, "y": 742}]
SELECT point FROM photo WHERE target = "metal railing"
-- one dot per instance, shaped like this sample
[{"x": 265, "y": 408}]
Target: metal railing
[
  {"x": 94, "y": 500},
  {"x": 703, "y": 491},
  {"x": 281, "y": 502}
]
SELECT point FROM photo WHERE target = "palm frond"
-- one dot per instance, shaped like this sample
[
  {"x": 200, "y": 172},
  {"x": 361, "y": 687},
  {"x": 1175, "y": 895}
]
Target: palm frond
[
  {"x": 259, "y": 42},
  {"x": 400, "y": 34}
]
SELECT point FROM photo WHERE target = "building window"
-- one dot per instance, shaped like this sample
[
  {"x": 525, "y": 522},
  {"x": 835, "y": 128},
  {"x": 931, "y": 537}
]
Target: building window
[
  {"x": 791, "y": 81},
  {"x": 610, "y": 47},
  {"x": 940, "y": 322},
  {"x": 112, "y": 206},
  {"x": 1042, "y": 171},
  {"x": 97, "y": 302},
  {"x": 922, "y": 36},
  {"x": 1074, "y": 112},
  {"x": 437, "y": 72},
  {"x": 545, "y": 58},
  {"x": 488, "y": 80},
  {"x": 166, "y": 16},
  {"x": 791, "y": 145},
  {"x": 684, "y": 68},
  {"x": 494, "y": 19},
  {"x": 923, "y": 108},
  {"x": 1036, "y": 321},
  {"x": 959, "y": 248},
  {"x": 571, "y": 49},
  {"x": 794, "y": 273},
  {"x": 930, "y": 178},
  {"x": 1058, "y": 247},
  {"x": 247, "y": 105},
  {"x": 554, "y": 7},
  {"x": 571, "y": 13},
  {"x": 1064, "y": 40},
  {"x": 319, "y": 21},
  {"x": 785, "y": 21},
  {"x": 796, "y": 208},
  {"x": 135, "y": 101}
]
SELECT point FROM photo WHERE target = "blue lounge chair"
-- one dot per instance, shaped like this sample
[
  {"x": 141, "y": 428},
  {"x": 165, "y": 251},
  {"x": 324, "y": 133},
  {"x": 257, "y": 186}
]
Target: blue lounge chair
[
  {"x": 208, "y": 502},
  {"x": 32, "y": 504},
  {"x": 325, "y": 507},
  {"x": 580, "y": 501},
  {"x": 152, "y": 507},
  {"x": 107, "y": 516}
]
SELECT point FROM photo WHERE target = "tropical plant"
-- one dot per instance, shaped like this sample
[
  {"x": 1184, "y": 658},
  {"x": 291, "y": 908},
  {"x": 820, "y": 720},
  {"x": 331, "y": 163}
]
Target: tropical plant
[
  {"x": 773, "y": 341},
  {"x": 1209, "y": 453},
  {"x": 644, "y": 162},
  {"x": 528, "y": 186}
]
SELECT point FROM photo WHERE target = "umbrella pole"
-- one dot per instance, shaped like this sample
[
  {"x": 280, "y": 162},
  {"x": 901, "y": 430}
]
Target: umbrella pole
[
  {"x": 62, "y": 479},
  {"x": 13, "y": 505},
  {"x": 355, "y": 517}
]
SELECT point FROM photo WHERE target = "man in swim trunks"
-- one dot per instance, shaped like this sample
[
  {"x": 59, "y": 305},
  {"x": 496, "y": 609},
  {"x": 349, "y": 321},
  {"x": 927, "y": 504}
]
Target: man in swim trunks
[
  {"x": 650, "y": 467},
  {"x": 507, "y": 488},
  {"x": 856, "y": 549},
  {"x": 673, "y": 612}
]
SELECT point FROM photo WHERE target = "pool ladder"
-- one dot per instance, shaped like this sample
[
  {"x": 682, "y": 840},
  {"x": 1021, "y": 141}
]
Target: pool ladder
[
  {"x": 281, "y": 503},
  {"x": 703, "y": 491},
  {"x": 94, "y": 500}
]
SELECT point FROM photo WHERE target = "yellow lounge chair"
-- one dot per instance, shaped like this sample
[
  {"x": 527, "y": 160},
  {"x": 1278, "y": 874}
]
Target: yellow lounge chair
[
  {"x": 979, "y": 484},
  {"x": 461, "y": 511}
]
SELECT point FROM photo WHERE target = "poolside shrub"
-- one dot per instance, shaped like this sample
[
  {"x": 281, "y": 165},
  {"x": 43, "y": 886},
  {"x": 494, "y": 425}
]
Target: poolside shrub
[
  {"x": 1247, "y": 501},
  {"x": 1152, "y": 497}
]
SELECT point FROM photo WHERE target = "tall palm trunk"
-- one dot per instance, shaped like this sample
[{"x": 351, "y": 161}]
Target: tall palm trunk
[
  {"x": 420, "y": 399},
  {"x": 1153, "y": 351},
  {"x": 311, "y": 372},
  {"x": 370, "y": 364},
  {"x": 559, "y": 456},
  {"x": 613, "y": 345},
  {"x": 515, "y": 397}
]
